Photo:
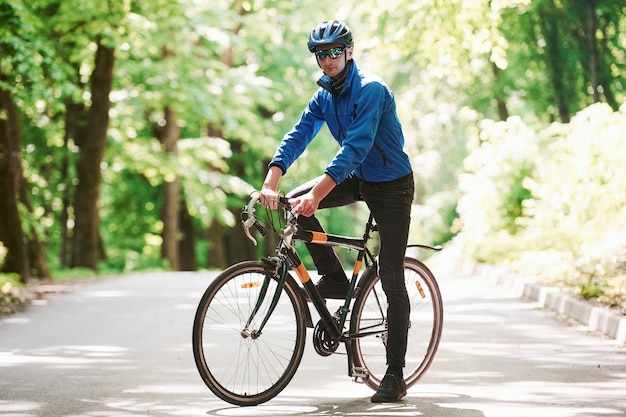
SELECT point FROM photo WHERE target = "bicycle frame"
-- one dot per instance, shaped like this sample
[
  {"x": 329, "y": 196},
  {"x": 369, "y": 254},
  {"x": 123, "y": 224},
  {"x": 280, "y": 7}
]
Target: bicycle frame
[
  {"x": 288, "y": 258},
  {"x": 363, "y": 254},
  {"x": 287, "y": 254}
]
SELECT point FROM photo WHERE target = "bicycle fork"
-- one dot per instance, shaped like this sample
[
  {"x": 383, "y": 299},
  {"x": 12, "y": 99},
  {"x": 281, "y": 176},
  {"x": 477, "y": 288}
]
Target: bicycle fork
[{"x": 254, "y": 334}]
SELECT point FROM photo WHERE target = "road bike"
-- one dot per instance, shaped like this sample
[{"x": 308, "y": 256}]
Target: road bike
[{"x": 251, "y": 323}]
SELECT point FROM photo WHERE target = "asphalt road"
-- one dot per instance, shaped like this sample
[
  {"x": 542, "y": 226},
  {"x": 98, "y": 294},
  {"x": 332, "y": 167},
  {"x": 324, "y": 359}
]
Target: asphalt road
[{"x": 120, "y": 347}]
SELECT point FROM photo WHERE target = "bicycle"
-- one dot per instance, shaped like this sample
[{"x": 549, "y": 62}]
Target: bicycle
[{"x": 250, "y": 326}]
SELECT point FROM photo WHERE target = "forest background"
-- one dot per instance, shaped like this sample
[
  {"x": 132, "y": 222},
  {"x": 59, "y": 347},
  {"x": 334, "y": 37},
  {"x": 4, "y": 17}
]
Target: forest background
[{"x": 132, "y": 132}]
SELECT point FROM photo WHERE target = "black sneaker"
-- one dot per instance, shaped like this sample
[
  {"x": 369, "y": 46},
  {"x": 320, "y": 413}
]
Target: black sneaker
[
  {"x": 333, "y": 285},
  {"x": 392, "y": 389}
]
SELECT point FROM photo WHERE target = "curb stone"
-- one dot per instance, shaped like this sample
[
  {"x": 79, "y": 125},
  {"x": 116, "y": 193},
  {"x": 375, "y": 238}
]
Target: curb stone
[{"x": 597, "y": 318}]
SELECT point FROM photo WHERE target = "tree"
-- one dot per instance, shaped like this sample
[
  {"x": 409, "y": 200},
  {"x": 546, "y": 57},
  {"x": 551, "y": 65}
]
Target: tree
[
  {"x": 573, "y": 48},
  {"x": 145, "y": 125},
  {"x": 11, "y": 232},
  {"x": 219, "y": 79},
  {"x": 84, "y": 108},
  {"x": 171, "y": 196},
  {"x": 25, "y": 255},
  {"x": 87, "y": 244}
]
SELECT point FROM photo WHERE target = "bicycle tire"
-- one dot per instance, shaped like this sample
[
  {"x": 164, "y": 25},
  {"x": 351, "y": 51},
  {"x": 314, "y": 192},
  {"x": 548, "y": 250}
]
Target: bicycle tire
[
  {"x": 426, "y": 323},
  {"x": 246, "y": 370}
]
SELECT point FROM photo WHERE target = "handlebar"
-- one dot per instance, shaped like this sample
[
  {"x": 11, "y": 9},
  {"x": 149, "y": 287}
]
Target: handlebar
[
  {"x": 288, "y": 230},
  {"x": 251, "y": 219}
]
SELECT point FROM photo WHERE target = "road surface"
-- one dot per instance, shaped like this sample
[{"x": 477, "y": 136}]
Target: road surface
[{"x": 121, "y": 347}]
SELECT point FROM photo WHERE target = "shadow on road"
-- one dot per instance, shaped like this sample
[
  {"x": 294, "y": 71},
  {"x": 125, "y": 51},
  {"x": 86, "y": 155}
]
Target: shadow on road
[
  {"x": 438, "y": 405},
  {"x": 121, "y": 347}
]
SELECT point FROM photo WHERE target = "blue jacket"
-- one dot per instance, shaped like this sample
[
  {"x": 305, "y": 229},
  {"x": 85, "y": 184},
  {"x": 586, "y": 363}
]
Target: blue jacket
[{"x": 363, "y": 119}]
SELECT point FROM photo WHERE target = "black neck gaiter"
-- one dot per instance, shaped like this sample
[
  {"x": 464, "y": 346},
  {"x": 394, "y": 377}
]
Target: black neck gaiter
[{"x": 340, "y": 79}]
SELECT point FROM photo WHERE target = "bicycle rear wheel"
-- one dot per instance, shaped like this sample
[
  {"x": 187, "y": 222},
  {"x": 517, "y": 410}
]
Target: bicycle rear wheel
[
  {"x": 369, "y": 315},
  {"x": 237, "y": 366}
]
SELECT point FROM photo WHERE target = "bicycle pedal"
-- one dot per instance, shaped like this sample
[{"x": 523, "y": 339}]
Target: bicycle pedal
[{"x": 360, "y": 375}]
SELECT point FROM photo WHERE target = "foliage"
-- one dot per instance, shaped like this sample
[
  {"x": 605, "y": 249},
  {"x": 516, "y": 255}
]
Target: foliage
[
  {"x": 478, "y": 60},
  {"x": 573, "y": 205},
  {"x": 12, "y": 295},
  {"x": 236, "y": 98},
  {"x": 476, "y": 88},
  {"x": 600, "y": 271},
  {"x": 491, "y": 206}
]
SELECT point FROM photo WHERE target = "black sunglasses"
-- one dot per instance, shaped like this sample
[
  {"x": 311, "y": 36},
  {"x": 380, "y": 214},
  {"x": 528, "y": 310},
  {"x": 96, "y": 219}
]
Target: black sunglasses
[{"x": 332, "y": 52}]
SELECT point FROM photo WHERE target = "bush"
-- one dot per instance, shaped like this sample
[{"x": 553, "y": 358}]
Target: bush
[
  {"x": 494, "y": 192},
  {"x": 12, "y": 294},
  {"x": 560, "y": 191}
]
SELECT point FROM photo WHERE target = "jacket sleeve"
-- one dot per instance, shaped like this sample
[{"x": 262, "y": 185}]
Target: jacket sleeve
[
  {"x": 298, "y": 138},
  {"x": 360, "y": 136}
]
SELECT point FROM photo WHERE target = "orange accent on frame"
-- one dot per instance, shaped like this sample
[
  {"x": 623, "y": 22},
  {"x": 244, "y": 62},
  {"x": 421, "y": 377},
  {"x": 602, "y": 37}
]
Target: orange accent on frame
[
  {"x": 319, "y": 237},
  {"x": 357, "y": 267},
  {"x": 302, "y": 273}
]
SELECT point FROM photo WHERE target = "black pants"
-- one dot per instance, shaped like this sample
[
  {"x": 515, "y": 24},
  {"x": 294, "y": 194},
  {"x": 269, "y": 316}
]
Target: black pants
[{"x": 390, "y": 204}]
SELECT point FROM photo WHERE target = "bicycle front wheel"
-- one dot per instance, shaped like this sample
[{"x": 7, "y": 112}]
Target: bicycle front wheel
[
  {"x": 237, "y": 364},
  {"x": 369, "y": 323}
]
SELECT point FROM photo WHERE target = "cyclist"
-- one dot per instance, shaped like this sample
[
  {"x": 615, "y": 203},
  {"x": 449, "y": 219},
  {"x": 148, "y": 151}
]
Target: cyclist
[{"x": 371, "y": 165}]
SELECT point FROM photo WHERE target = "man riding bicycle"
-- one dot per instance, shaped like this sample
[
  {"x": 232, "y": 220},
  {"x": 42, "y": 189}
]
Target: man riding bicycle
[{"x": 371, "y": 165}]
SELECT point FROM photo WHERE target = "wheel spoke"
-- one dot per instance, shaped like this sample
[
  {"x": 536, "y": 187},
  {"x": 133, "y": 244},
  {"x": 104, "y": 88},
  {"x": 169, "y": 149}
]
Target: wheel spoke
[
  {"x": 237, "y": 367},
  {"x": 425, "y": 324}
]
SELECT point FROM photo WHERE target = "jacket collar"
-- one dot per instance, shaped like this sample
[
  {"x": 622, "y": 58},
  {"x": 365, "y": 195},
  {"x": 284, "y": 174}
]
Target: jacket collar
[{"x": 327, "y": 83}]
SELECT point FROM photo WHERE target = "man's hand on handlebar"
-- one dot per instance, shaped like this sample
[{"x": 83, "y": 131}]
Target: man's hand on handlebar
[
  {"x": 269, "y": 198},
  {"x": 305, "y": 205}
]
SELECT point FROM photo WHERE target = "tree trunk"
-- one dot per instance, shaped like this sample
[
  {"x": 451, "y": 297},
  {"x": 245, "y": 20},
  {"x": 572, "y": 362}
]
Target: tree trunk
[
  {"x": 238, "y": 246},
  {"x": 35, "y": 252},
  {"x": 549, "y": 24},
  {"x": 591, "y": 26},
  {"x": 74, "y": 115},
  {"x": 599, "y": 67},
  {"x": 187, "y": 244},
  {"x": 25, "y": 254},
  {"x": 11, "y": 233},
  {"x": 503, "y": 111},
  {"x": 216, "y": 253},
  {"x": 87, "y": 248},
  {"x": 171, "y": 196}
]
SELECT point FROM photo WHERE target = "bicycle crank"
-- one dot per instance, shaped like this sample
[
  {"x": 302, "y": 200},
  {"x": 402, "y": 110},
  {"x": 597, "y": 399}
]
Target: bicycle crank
[{"x": 322, "y": 340}]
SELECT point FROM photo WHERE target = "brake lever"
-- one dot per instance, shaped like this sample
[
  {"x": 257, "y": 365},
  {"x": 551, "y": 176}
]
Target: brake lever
[
  {"x": 251, "y": 220},
  {"x": 246, "y": 228}
]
